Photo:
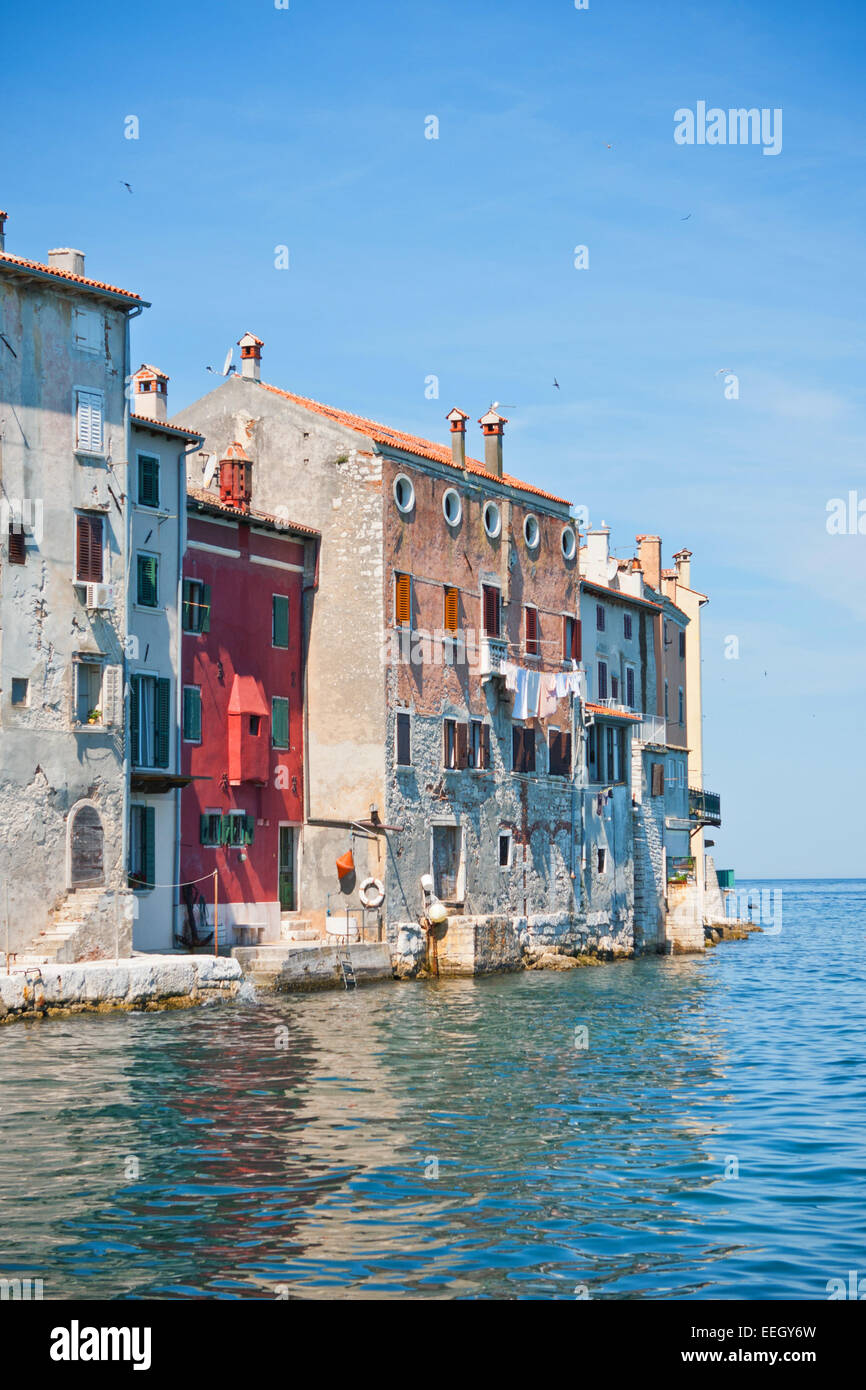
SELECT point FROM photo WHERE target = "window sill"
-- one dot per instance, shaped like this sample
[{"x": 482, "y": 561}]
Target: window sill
[
  {"x": 91, "y": 455},
  {"x": 147, "y": 608},
  {"x": 79, "y": 728}
]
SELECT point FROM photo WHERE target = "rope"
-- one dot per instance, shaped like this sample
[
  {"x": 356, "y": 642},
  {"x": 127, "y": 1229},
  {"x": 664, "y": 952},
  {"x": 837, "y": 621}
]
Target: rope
[{"x": 186, "y": 884}]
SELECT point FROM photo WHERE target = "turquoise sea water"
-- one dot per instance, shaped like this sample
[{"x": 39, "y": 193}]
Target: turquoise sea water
[{"x": 457, "y": 1139}]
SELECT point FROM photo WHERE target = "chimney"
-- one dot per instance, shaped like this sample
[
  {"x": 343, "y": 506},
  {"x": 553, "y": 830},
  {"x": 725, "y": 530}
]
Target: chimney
[
  {"x": 251, "y": 356},
  {"x": 492, "y": 426},
  {"x": 683, "y": 562},
  {"x": 3, "y": 216},
  {"x": 236, "y": 477},
  {"x": 150, "y": 393},
  {"x": 596, "y": 555},
  {"x": 458, "y": 436},
  {"x": 649, "y": 549},
  {"x": 64, "y": 258}
]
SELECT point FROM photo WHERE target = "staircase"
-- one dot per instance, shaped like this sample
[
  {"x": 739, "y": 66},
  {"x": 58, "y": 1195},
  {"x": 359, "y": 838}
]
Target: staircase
[
  {"x": 296, "y": 929},
  {"x": 55, "y": 943}
]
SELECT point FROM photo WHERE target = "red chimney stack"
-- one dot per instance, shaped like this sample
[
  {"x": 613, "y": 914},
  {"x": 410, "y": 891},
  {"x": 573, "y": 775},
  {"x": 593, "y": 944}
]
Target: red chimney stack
[{"x": 236, "y": 478}]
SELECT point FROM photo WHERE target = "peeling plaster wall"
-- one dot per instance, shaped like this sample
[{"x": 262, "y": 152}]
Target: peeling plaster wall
[{"x": 47, "y": 761}]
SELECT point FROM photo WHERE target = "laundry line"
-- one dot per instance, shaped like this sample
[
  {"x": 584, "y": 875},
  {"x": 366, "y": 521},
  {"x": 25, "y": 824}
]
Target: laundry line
[{"x": 538, "y": 693}]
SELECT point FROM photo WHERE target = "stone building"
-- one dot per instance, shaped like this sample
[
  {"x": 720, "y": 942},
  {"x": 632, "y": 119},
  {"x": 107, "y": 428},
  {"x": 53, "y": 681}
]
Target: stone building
[{"x": 64, "y": 429}]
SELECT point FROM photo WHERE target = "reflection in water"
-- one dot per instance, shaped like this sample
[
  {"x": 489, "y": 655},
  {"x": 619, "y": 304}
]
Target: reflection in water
[{"x": 455, "y": 1139}]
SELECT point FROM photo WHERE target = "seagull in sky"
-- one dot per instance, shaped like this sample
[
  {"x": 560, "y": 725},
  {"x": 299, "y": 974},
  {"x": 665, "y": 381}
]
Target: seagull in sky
[
  {"x": 721, "y": 370},
  {"x": 686, "y": 218},
  {"x": 126, "y": 185},
  {"x": 556, "y": 384}
]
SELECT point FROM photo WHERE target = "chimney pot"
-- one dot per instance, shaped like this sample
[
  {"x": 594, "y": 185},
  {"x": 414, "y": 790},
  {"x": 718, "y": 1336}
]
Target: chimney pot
[
  {"x": 68, "y": 259},
  {"x": 649, "y": 549},
  {"x": 457, "y": 420},
  {"x": 3, "y": 217},
  {"x": 492, "y": 427},
  {"x": 150, "y": 393},
  {"x": 251, "y": 356},
  {"x": 236, "y": 477}
]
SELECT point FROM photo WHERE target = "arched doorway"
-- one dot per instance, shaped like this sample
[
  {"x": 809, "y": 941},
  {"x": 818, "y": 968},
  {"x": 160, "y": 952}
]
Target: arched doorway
[{"x": 86, "y": 868}]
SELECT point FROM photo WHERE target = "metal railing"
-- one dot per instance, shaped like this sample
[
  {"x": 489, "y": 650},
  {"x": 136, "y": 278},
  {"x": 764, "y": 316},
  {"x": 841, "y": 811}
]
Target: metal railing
[
  {"x": 651, "y": 729},
  {"x": 705, "y": 807}
]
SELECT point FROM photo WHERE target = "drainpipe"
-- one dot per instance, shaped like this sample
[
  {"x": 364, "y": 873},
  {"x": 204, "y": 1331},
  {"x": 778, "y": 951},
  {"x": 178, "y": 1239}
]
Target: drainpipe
[
  {"x": 132, "y": 313},
  {"x": 178, "y": 718}
]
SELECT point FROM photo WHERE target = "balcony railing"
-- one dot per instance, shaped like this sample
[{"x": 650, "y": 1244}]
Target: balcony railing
[
  {"x": 493, "y": 654},
  {"x": 651, "y": 729},
  {"x": 705, "y": 807}
]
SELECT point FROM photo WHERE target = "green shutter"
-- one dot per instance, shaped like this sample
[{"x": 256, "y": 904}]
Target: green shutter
[
  {"x": 148, "y": 581},
  {"x": 204, "y": 617},
  {"x": 280, "y": 623},
  {"x": 204, "y": 829},
  {"x": 187, "y": 606},
  {"x": 192, "y": 715},
  {"x": 280, "y": 722},
  {"x": 249, "y": 829},
  {"x": 148, "y": 481},
  {"x": 163, "y": 721},
  {"x": 148, "y": 835},
  {"x": 133, "y": 717}
]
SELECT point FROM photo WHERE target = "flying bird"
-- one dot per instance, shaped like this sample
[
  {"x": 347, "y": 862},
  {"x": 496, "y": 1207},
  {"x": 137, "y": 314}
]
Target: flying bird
[
  {"x": 126, "y": 185},
  {"x": 721, "y": 370},
  {"x": 686, "y": 218}
]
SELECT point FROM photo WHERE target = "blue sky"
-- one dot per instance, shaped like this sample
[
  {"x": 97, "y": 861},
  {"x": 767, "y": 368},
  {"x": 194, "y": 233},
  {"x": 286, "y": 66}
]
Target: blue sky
[{"x": 305, "y": 127}]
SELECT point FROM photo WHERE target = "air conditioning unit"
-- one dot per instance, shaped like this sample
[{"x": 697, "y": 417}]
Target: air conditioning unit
[{"x": 100, "y": 597}]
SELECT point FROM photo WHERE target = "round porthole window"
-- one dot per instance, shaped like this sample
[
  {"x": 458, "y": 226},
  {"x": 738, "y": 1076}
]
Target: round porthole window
[
  {"x": 492, "y": 520},
  {"x": 569, "y": 543},
  {"x": 531, "y": 531},
  {"x": 404, "y": 493},
  {"x": 452, "y": 506}
]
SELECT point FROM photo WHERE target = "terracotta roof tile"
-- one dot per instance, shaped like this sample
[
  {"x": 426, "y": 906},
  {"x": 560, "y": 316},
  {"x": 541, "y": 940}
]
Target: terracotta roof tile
[
  {"x": 212, "y": 503},
  {"x": 617, "y": 594},
  {"x": 146, "y": 423},
  {"x": 613, "y": 713},
  {"x": 409, "y": 443},
  {"x": 18, "y": 262}
]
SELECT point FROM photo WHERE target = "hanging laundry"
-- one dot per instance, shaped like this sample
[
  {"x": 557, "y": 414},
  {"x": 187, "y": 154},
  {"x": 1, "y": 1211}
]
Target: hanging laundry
[
  {"x": 533, "y": 692},
  {"x": 520, "y": 691},
  {"x": 548, "y": 700},
  {"x": 509, "y": 670}
]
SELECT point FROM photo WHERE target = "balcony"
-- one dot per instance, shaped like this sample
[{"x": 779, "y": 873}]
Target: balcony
[
  {"x": 652, "y": 729},
  {"x": 705, "y": 808},
  {"x": 492, "y": 656}
]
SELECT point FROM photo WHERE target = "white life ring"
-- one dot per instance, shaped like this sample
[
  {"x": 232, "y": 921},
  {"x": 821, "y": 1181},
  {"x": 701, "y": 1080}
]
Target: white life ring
[{"x": 372, "y": 892}]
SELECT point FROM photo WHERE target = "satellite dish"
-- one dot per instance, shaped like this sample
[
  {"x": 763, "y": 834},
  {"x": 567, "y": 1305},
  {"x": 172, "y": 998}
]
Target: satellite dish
[
  {"x": 228, "y": 362},
  {"x": 612, "y": 568},
  {"x": 209, "y": 469}
]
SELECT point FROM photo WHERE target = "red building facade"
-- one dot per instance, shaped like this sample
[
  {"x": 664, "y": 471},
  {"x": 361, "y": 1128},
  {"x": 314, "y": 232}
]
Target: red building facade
[{"x": 246, "y": 579}]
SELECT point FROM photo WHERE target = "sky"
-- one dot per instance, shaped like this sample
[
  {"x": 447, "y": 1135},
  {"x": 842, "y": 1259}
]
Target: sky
[{"x": 412, "y": 257}]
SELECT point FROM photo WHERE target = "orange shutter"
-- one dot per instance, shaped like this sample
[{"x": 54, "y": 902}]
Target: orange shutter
[
  {"x": 403, "y": 599},
  {"x": 451, "y": 610}
]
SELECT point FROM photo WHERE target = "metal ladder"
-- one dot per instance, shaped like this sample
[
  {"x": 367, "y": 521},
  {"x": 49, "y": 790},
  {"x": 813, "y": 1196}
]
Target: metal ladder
[{"x": 347, "y": 967}]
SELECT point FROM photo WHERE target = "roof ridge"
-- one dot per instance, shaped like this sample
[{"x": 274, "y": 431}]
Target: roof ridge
[{"x": 55, "y": 271}]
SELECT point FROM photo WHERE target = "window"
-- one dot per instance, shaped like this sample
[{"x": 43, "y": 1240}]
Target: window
[
  {"x": 20, "y": 690},
  {"x": 601, "y": 860},
  {"x": 452, "y": 506},
  {"x": 280, "y": 722},
  {"x": 666, "y": 637},
  {"x": 606, "y": 753},
  {"x": 148, "y": 480},
  {"x": 88, "y": 692},
  {"x": 404, "y": 493},
  {"x": 404, "y": 740},
  {"x": 682, "y": 644},
  {"x": 531, "y": 628},
  {"x": 491, "y": 606},
  {"x": 237, "y": 829},
  {"x": 479, "y": 745},
  {"x": 506, "y": 842},
  {"x": 666, "y": 700},
  {"x": 629, "y": 686},
  {"x": 455, "y": 744},
  {"x": 658, "y": 779},
  {"x": 255, "y": 725},
  {"x": 17, "y": 544},
  {"x": 447, "y": 866},
  {"x": 681, "y": 702},
  {"x": 88, "y": 422},
  {"x": 87, "y": 330},
  {"x": 599, "y": 618},
  {"x": 192, "y": 714},
  {"x": 522, "y": 749},
  {"x": 196, "y": 606},
  {"x": 142, "y": 846},
  {"x": 280, "y": 620},
  {"x": 492, "y": 520},
  {"x": 531, "y": 531},
  {"x": 148, "y": 581},
  {"x": 560, "y": 753},
  {"x": 571, "y": 643},
  {"x": 150, "y": 720},
  {"x": 88, "y": 547},
  {"x": 602, "y": 680},
  {"x": 614, "y": 687},
  {"x": 452, "y": 609},
  {"x": 211, "y": 827},
  {"x": 626, "y": 626},
  {"x": 569, "y": 544},
  {"x": 403, "y": 600}
]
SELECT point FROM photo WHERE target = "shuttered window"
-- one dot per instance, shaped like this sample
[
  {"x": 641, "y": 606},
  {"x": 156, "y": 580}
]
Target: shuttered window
[
  {"x": 17, "y": 545},
  {"x": 192, "y": 714},
  {"x": 479, "y": 745},
  {"x": 280, "y": 621},
  {"x": 452, "y": 609},
  {"x": 682, "y": 644},
  {"x": 491, "y": 610},
  {"x": 163, "y": 722},
  {"x": 404, "y": 744},
  {"x": 148, "y": 581},
  {"x": 280, "y": 722},
  {"x": 571, "y": 639},
  {"x": 142, "y": 847},
  {"x": 462, "y": 749},
  {"x": 210, "y": 828},
  {"x": 629, "y": 686},
  {"x": 532, "y": 642},
  {"x": 150, "y": 720},
  {"x": 522, "y": 749},
  {"x": 237, "y": 828},
  {"x": 626, "y": 625},
  {"x": 196, "y": 606},
  {"x": 403, "y": 599},
  {"x": 658, "y": 779},
  {"x": 148, "y": 480},
  {"x": 89, "y": 421},
  {"x": 560, "y": 753},
  {"x": 602, "y": 680},
  {"x": 88, "y": 547}
]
